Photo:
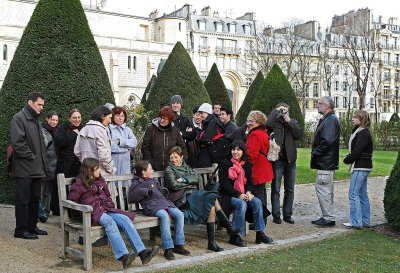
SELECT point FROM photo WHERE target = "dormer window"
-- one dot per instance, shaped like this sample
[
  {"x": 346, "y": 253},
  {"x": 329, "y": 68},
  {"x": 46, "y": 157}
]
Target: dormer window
[{"x": 218, "y": 26}]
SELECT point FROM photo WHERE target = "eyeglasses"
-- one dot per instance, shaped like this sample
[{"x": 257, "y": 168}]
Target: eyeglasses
[{"x": 250, "y": 121}]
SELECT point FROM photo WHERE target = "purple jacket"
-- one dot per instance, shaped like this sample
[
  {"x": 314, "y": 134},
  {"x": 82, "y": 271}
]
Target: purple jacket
[
  {"x": 97, "y": 196},
  {"x": 148, "y": 193}
]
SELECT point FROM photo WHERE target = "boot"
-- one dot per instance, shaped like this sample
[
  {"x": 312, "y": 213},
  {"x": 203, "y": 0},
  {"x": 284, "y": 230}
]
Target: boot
[
  {"x": 180, "y": 249},
  {"x": 227, "y": 224},
  {"x": 211, "y": 238},
  {"x": 148, "y": 254},
  {"x": 127, "y": 259},
  {"x": 237, "y": 241}
]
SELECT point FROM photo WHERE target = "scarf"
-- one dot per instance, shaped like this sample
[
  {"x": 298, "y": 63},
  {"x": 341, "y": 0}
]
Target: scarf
[
  {"x": 236, "y": 172},
  {"x": 72, "y": 127},
  {"x": 353, "y": 135},
  {"x": 51, "y": 130}
]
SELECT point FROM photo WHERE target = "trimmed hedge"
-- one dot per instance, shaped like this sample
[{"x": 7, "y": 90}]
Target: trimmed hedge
[
  {"x": 177, "y": 77},
  {"x": 57, "y": 56},
  {"x": 216, "y": 88},
  {"x": 391, "y": 199},
  {"x": 245, "y": 109},
  {"x": 148, "y": 88},
  {"x": 394, "y": 118},
  {"x": 275, "y": 89}
]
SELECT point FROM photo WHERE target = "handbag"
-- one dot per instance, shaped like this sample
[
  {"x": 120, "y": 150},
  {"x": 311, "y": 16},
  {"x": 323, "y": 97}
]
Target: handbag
[
  {"x": 273, "y": 150},
  {"x": 177, "y": 197},
  {"x": 213, "y": 184}
]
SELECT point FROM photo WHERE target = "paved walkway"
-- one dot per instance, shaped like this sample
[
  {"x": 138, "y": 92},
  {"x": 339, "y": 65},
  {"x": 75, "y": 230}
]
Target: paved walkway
[{"x": 43, "y": 255}]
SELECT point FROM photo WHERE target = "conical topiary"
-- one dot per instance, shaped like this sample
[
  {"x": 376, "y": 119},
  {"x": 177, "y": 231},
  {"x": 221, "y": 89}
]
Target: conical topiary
[
  {"x": 178, "y": 77},
  {"x": 275, "y": 89},
  {"x": 245, "y": 109},
  {"x": 394, "y": 118},
  {"x": 57, "y": 56},
  {"x": 148, "y": 88},
  {"x": 391, "y": 199},
  {"x": 216, "y": 88}
]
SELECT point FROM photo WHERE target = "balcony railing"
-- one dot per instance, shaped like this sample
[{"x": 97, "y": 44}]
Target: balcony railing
[
  {"x": 204, "y": 48},
  {"x": 227, "y": 50},
  {"x": 387, "y": 79}
]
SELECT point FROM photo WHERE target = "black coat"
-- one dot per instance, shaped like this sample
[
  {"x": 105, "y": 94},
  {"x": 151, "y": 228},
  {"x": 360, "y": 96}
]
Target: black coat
[
  {"x": 325, "y": 149},
  {"x": 29, "y": 149},
  {"x": 182, "y": 122},
  {"x": 288, "y": 131},
  {"x": 361, "y": 150},
  {"x": 227, "y": 191},
  {"x": 230, "y": 127},
  {"x": 67, "y": 162},
  {"x": 238, "y": 134}
]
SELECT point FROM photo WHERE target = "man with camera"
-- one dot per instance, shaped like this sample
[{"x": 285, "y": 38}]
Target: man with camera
[{"x": 285, "y": 131}]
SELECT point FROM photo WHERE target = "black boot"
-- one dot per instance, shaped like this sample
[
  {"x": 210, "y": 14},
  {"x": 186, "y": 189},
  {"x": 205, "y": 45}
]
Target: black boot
[
  {"x": 227, "y": 224},
  {"x": 211, "y": 238},
  {"x": 262, "y": 238}
]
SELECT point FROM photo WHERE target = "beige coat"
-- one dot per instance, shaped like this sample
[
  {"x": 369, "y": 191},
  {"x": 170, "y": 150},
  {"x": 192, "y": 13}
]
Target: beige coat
[{"x": 94, "y": 141}]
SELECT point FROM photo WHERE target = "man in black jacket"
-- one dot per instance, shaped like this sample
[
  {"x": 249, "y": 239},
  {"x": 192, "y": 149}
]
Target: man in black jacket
[
  {"x": 225, "y": 115},
  {"x": 186, "y": 128},
  {"x": 325, "y": 158},
  {"x": 29, "y": 166},
  {"x": 285, "y": 131}
]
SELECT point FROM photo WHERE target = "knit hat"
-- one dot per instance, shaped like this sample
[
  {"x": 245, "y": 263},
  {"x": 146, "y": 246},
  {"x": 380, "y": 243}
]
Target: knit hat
[
  {"x": 176, "y": 98},
  {"x": 206, "y": 107},
  {"x": 195, "y": 110}
]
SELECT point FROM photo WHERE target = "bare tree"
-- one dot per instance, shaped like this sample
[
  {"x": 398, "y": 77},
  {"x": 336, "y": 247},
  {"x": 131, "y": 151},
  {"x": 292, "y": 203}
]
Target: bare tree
[
  {"x": 328, "y": 61},
  {"x": 359, "y": 41}
]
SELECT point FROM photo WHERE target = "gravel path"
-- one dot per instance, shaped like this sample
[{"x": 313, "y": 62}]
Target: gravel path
[{"x": 43, "y": 255}]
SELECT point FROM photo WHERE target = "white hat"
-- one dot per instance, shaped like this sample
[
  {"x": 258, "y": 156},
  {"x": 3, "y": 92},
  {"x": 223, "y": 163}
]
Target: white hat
[{"x": 205, "y": 107}]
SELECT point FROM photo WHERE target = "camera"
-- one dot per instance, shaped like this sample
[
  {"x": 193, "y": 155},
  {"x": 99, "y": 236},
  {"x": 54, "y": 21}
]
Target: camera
[{"x": 281, "y": 115}]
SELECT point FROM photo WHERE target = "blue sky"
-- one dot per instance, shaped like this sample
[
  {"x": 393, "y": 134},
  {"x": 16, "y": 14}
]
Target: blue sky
[{"x": 269, "y": 12}]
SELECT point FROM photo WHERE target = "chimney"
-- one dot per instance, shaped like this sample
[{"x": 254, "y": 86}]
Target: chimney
[
  {"x": 216, "y": 14},
  {"x": 206, "y": 11}
]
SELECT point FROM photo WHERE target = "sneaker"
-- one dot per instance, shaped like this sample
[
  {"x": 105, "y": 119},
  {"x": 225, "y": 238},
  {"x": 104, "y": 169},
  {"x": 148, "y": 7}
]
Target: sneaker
[
  {"x": 350, "y": 226},
  {"x": 262, "y": 238},
  {"x": 128, "y": 259},
  {"x": 180, "y": 249},
  {"x": 148, "y": 254},
  {"x": 43, "y": 218},
  {"x": 168, "y": 254}
]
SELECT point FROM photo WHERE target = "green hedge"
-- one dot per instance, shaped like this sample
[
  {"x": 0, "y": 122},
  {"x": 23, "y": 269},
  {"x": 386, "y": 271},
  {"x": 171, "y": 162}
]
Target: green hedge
[
  {"x": 216, "y": 88},
  {"x": 275, "y": 89},
  {"x": 391, "y": 199},
  {"x": 177, "y": 77},
  {"x": 148, "y": 88},
  {"x": 245, "y": 109},
  {"x": 57, "y": 56}
]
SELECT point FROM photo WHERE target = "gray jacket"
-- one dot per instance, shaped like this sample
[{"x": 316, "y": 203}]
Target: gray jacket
[
  {"x": 29, "y": 150},
  {"x": 51, "y": 155}
]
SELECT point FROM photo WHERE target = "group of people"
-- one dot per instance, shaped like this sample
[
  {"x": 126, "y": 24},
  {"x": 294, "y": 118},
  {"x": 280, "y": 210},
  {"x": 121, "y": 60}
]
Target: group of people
[{"x": 175, "y": 144}]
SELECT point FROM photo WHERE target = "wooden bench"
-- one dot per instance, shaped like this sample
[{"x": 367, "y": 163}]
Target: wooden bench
[{"x": 91, "y": 234}]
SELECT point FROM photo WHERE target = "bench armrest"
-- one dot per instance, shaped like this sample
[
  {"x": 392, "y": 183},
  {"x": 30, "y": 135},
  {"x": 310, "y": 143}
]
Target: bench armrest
[{"x": 79, "y": 207}]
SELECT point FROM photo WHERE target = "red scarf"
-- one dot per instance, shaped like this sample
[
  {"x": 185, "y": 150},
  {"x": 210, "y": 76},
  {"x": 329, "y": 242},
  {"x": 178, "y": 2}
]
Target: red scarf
[{"x": 236, "y": 172}]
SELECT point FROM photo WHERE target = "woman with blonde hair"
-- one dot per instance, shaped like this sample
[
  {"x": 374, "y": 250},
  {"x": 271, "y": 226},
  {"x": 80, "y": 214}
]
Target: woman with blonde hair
[{"x": 360, "y": 158}]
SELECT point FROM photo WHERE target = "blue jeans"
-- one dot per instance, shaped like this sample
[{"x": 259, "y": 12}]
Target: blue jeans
[
  {"x": 288, "y": 171},
  {"x": 358, "y": 197},
  {"x": 111, "y": 221},
  {"x": 41, "y": 210},
  {"x": 239, "y": 213},
  {"x": 166, "y": 227}
]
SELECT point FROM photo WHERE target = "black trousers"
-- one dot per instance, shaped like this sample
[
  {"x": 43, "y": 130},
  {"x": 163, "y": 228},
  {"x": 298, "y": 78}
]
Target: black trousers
[{"x": 27, "y": 203}]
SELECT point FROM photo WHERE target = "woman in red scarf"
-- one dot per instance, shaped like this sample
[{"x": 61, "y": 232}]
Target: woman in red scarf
[
  {"x": 235, "y": 176},
  {"x": 257, "y": 145}
]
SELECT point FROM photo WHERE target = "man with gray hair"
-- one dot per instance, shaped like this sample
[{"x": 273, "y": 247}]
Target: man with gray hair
[{"x": 325, "y": 158}]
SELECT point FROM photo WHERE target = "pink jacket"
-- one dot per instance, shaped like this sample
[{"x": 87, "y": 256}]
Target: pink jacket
[{"x": 94, "y": 141}]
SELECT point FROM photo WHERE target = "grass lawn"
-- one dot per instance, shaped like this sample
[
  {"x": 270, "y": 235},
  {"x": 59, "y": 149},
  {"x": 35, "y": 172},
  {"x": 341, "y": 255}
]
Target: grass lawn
[
  {"x": 383, "y": 162},
  {"x": 358, "y": 251}
]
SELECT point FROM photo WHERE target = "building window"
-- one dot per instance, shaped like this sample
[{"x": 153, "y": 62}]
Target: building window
[
  {"x": 336, "y": 85},
  {"x": 248, "y": 81},
  {"x": 296, "y": 87},
  {"x": 355, "y": 104},
  {"x": 315, "y": 104},
  {"x": 180, "y": 26},
  {"x": 306, "y": 90},
  {"x": 5, "y": 53},
  {"x": 345, "y": 84},
  {"x": 134, "y": 63},
  {"x": 363, "y": 71},
  {"x": 386, "y": 92},
  {"x": 371, "y": 103},
  {"x": 315, "y": 90},
  {"x": 345, "y": 70},
  {"x": 129, "y": 63},
  {"x": 344, "y": 102},
  {"x": 336, "y": 100},
  {"x": 337, "y": 70}
]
